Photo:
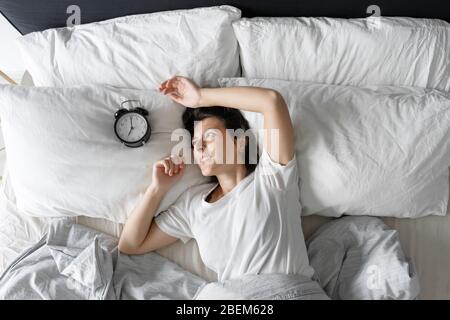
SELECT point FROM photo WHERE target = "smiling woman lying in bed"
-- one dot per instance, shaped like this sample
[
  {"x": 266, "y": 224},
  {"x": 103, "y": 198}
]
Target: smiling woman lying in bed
[{"x": 249, "y": 221}]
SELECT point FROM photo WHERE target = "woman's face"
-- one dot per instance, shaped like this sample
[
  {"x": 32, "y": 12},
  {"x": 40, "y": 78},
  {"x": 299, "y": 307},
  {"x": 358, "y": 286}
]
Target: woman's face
[{"x": 210, "y": 147}]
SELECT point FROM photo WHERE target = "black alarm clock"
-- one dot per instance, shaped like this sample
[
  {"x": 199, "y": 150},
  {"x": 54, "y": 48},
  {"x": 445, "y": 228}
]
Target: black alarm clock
[{"x": 131, "y": 126}]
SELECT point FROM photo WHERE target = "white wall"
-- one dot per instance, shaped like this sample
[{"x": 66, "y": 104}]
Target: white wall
[
  {"x": 10, "y": 61},
  {"x": 11, "y": 64}
]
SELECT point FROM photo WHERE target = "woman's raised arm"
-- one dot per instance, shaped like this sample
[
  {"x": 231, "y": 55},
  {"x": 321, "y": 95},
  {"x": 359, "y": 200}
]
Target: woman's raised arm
[{"x": 268, "y": 102}]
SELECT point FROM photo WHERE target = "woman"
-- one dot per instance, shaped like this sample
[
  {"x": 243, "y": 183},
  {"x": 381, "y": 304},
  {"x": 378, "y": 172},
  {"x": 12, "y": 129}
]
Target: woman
[{"x": 248, "y": 222}]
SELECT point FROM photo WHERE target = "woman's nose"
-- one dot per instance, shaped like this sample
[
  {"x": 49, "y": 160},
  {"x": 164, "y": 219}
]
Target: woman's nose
[{"x": 199, "y": 146}]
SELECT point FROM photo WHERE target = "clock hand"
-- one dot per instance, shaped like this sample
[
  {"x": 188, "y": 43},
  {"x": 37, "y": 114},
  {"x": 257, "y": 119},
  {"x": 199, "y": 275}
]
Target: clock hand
[{"x": 131, "y": 128}]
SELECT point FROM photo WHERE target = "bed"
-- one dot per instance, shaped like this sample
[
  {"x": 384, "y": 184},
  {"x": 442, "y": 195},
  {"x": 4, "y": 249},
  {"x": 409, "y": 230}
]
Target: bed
[{"x": 425, "y": 240}]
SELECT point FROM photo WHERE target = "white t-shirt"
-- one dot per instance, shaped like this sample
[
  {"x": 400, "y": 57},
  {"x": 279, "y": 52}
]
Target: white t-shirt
[{"x": 253, "y": 229}]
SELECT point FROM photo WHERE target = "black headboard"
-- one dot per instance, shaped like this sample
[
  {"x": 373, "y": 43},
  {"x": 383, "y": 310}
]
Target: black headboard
[{"x": 37, "y": 15}]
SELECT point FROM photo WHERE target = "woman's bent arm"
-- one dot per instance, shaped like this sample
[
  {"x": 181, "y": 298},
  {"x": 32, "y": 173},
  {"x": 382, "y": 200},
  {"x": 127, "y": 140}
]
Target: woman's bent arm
[
  {"x": 140, "y": 233},
  {"x": 268, "y": 102}
]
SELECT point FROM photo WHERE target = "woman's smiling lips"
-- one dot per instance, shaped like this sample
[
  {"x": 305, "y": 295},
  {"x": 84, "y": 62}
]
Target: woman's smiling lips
[{"x": 205, "y": 158}]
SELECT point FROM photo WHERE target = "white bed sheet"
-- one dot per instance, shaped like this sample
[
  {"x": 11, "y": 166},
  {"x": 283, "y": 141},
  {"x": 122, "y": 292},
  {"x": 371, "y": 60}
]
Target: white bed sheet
[{"x": 425, "y": 240}]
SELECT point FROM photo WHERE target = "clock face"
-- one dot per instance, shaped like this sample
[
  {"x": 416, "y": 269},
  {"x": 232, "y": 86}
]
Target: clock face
[{"x": 131, "y": 127}]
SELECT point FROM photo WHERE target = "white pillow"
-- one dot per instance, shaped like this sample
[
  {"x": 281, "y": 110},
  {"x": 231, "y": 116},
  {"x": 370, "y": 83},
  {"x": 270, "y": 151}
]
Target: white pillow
[
  {"x": 371, "y": 51},
  {"x": 65, "y": 160},
  {"x": 137, "y": 51},
  {"x": 379, "y": 151}
]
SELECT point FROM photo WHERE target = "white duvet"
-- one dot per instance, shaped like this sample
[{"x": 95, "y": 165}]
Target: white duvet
[{"x": 17, "y": 231}]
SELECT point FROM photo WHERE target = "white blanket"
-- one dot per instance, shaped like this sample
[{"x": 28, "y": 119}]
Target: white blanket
[{"x": 76, "y": 262}]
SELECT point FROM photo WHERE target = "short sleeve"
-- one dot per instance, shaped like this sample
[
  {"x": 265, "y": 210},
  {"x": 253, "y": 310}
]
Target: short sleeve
[
  {"x": 275, "y": 174},
  {"x": 175, "y": 220}
]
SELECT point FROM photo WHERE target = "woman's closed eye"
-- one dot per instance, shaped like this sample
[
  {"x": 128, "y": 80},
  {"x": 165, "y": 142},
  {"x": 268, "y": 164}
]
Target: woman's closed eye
[
  {"x": 197, "y": 143},
  {"x": 209, "y": 136}
]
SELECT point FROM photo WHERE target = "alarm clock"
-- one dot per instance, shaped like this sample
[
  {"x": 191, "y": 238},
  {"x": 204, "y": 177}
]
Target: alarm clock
[{"x": 131, "y": 126}]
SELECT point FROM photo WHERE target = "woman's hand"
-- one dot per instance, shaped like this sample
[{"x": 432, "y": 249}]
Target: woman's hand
[
  {"x": 182, "y": 90},
  {"x": 140, "y": 234},
  {"x": 166, "y": 173}
]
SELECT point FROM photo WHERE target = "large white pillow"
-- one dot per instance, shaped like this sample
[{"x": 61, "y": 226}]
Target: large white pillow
[
  {"x": 65, "y": 160},
  {"x": 371, "y": 51},
  {"x": 137, "y": 51},
  {"x": 379, "y": 151}
]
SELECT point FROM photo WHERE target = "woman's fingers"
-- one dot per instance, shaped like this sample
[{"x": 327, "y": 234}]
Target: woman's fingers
[
  {"x": 174, "y": 88},
  {"x": 163, "y": 85},
  {"x": 160, "y": 165},
  {"x": 178, "y": 163},
  {"x": 174, "y": 168},
  {"x": 166, "y": 163},
  {"x": 179, "y": 168},
  {"x": 172, "y": 92},
  {"x": 171, "y": 167},
  {"x": 170, "y": 82},
  {"x": 171, "y": 85}
]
